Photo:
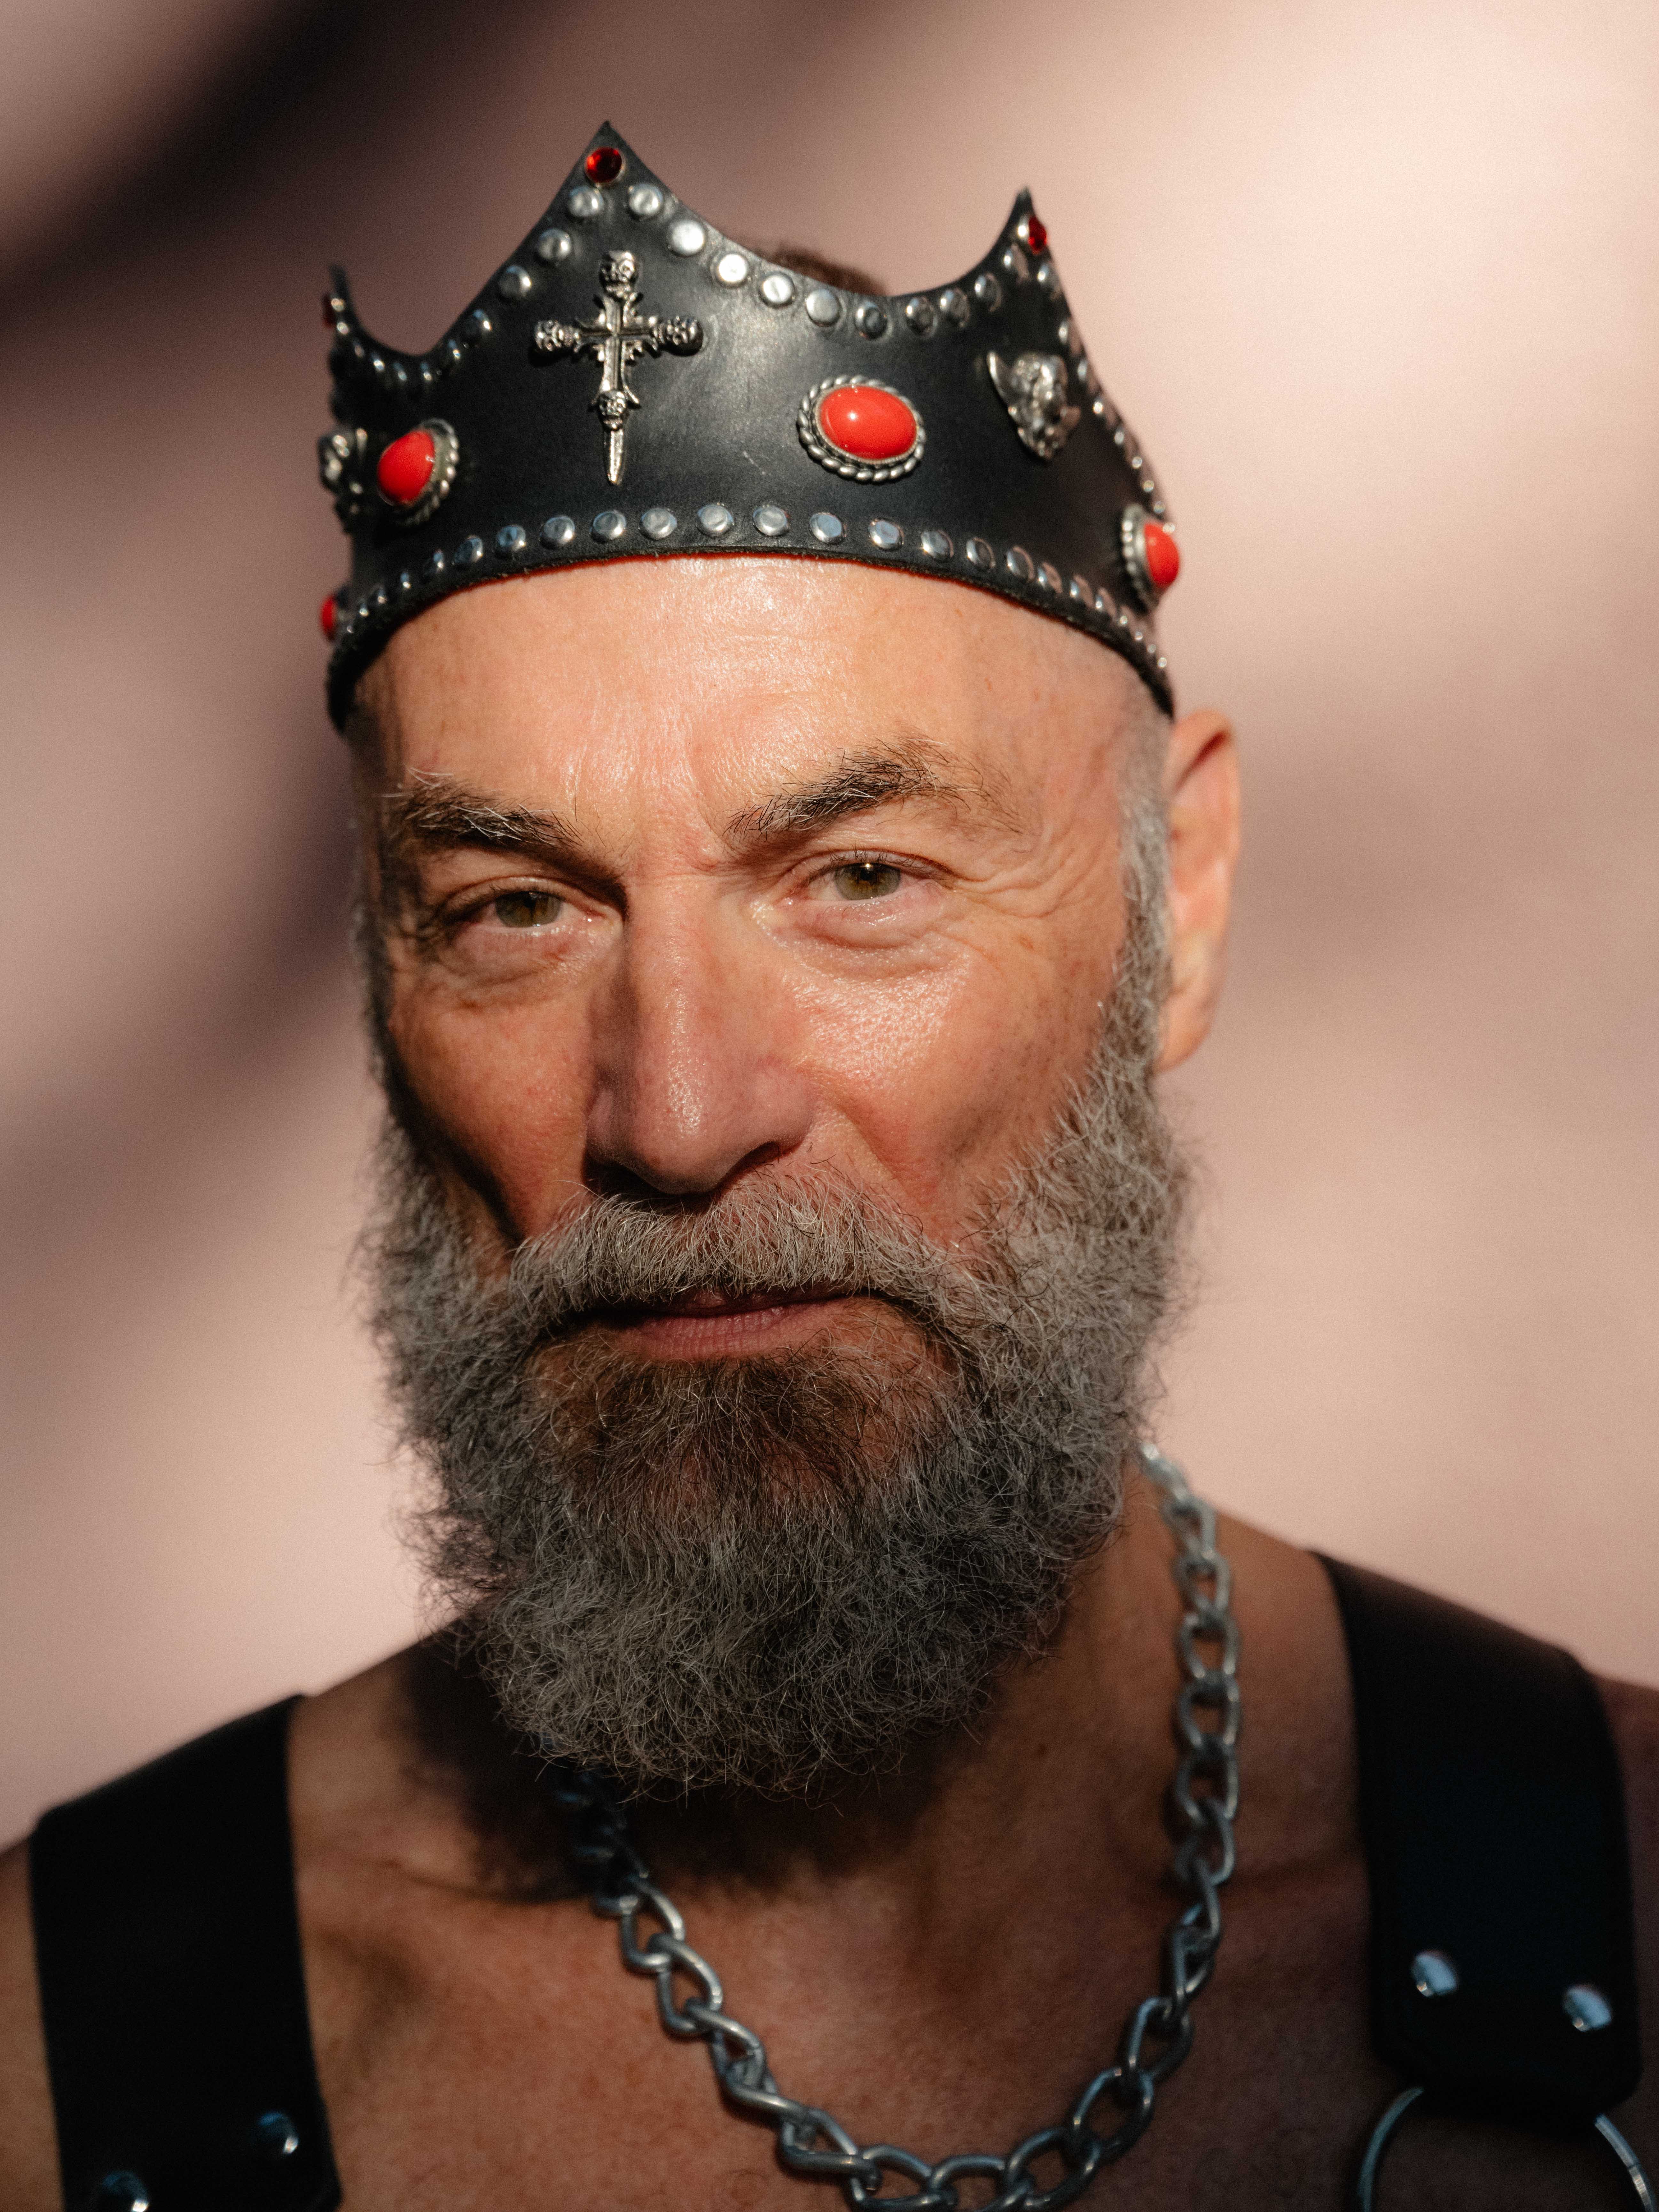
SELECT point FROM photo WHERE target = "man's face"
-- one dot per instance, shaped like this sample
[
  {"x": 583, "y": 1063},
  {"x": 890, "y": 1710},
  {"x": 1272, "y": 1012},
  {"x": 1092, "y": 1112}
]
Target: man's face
[
  {"x": 776, "y": 1212},
  {"x": 702, "y": 868}
]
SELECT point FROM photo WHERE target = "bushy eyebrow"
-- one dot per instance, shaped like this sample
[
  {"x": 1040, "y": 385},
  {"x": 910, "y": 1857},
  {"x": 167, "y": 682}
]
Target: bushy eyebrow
[
  {"x": 436, "y": 812},
  {"x": 855, "y": 784}
]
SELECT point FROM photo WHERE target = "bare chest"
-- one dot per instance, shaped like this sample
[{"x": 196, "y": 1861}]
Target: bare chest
[{"x": 508, "y": 2061}]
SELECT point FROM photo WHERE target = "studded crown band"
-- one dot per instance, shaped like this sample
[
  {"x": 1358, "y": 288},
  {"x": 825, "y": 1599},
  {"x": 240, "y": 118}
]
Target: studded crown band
[{"x": 632, "y": 383}]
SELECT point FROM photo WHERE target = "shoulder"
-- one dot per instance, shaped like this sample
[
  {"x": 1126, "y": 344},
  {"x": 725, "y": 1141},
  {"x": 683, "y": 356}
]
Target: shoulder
[
  {"x": 1633, "y": 1716},
  {"x": 28, "y": 2146},
  {"x": 335, "y": 1754}
]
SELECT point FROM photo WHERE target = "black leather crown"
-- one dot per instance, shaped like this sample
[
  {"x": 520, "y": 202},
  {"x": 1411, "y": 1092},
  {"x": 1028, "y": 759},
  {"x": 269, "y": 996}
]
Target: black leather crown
[{"x": 632, "y": 383}]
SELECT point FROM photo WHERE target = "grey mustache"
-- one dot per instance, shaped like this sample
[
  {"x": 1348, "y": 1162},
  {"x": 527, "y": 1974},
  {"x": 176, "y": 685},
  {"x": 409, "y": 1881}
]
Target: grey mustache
[{"x": 618, "y": 1254}]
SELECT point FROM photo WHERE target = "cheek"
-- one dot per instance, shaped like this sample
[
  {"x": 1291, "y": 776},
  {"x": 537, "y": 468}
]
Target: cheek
[
  {"x": 944, "y": 1079},
  {"x": 506, "y": 1089}
]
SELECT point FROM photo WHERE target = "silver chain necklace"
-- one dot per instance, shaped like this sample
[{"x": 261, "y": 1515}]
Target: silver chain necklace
[{"x": 1159, "y": 2034}]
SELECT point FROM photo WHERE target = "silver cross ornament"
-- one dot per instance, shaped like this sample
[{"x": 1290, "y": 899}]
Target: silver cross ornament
[{"x": 616, "y": 338}]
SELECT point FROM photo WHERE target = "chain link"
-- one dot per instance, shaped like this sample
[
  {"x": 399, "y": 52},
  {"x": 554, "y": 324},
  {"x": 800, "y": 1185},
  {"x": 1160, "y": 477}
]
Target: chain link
[{"x": 1159, "y": 2034}]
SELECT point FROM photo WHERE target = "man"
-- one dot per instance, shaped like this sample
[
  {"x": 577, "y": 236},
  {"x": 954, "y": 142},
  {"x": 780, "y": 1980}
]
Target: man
[{"x": 769, "y": 960}]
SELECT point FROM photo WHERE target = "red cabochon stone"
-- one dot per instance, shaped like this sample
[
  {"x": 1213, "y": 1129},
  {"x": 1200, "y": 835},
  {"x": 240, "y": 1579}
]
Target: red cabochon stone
[
  {"x": 329, "y": 615},
  {"x": 867, "y": 424},
  {"x": 405, "y": 470},
  {"x": 604, "y": 165},
  {"x": 1163, "y": 556},
  {"x": 1036, "y": 234}
]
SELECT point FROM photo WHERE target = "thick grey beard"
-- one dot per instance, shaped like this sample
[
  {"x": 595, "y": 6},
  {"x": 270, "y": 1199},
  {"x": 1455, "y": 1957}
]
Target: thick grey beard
[{"x": 773, "y": 1572}]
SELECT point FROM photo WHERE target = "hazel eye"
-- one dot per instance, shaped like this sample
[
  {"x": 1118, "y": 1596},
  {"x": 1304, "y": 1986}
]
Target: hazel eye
[
  {"x": 867, "y": 880},
  {"x": 526, "y": 909}
]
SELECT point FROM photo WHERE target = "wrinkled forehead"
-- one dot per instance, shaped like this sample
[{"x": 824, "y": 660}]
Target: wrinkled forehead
[{"x": 734, "y": 673}]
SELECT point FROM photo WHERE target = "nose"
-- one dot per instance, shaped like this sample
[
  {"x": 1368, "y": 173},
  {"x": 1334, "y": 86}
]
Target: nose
[{"x": 697, "y": 1074}]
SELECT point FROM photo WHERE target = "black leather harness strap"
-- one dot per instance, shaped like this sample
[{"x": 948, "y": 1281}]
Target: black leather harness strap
[
  {"x": 1493, "y": 1816},
  {"x": 172, "y": 1988}
]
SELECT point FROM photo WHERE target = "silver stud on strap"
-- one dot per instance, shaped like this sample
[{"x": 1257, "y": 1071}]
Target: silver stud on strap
[
  {"x": 1586, "y": 2008},
  {"x": 1434, "y": 1974},
  {"x": 276, "y": 2137},
  {"x": 122, "y": 2192}
]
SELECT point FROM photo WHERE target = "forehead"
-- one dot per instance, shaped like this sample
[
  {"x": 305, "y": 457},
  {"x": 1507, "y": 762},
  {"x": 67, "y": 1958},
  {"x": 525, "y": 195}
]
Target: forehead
[{"x": 730, "y": 675}]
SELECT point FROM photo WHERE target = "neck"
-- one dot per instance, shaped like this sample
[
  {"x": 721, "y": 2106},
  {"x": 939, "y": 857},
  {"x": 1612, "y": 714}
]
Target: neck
[{"x": 1082, "y": 1728}]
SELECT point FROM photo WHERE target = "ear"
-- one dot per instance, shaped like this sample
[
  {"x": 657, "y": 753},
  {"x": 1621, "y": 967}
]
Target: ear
[{"x": 1201, "y": 791}]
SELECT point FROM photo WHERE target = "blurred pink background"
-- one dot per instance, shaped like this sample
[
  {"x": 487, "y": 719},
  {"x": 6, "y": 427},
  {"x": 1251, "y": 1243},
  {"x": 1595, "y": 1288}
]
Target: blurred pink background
[{"x": 1375, "y": 280}]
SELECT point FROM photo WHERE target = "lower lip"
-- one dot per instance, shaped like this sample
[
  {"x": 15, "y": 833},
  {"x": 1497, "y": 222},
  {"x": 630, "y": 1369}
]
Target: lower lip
[{"x": 715, "y": 1335}]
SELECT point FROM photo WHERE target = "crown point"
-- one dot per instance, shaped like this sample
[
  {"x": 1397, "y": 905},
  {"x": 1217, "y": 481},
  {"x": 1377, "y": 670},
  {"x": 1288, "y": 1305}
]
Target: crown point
[
  {"x": 604, "y": 165},
  {"x": 328, "y": 615},
  {"x": 1163, "y": 557},
  {"x": 405, "y": 470}
]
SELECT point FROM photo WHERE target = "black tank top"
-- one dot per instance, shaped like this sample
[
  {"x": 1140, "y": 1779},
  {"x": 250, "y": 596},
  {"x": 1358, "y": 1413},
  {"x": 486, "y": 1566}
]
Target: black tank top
[{"x": 172, "y": 1987}]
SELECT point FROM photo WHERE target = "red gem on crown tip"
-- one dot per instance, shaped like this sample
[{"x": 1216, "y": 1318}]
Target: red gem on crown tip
[
  {"x": 604, "y": 165},
  {"x": 1036, "y": 234},
  {"x": 867, "y": 423},
  {"x": 1163, "y": 556},
  {"x": 328, "y": 615},
  {"x": 405, "y": 469}
]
